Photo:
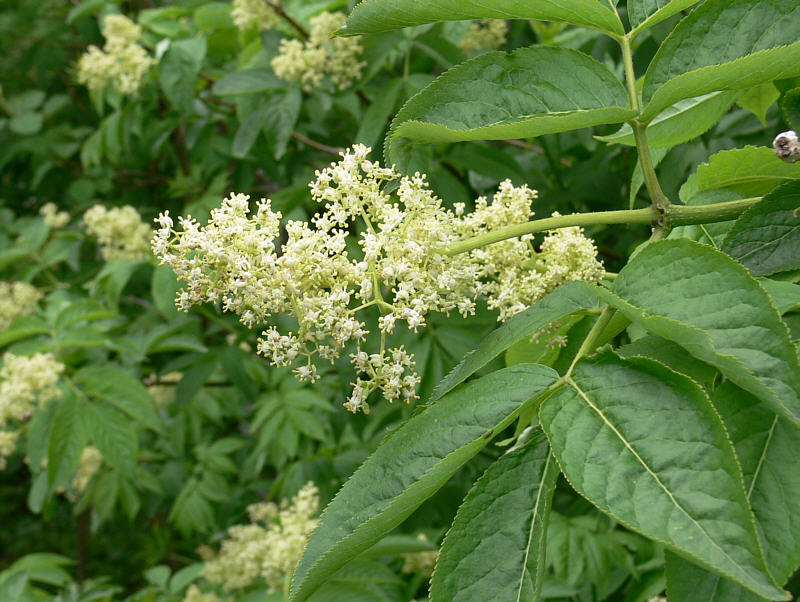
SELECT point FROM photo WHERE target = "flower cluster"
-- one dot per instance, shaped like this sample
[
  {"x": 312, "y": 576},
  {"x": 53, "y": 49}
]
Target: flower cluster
[
  {"x": 514, "y": 275},
  {"x": 321, "y": 55},
  {"x": 247, "y": 14},
  {"x": 420, "y": 562},
  {"x": 268, "y": 548},
  {"x": 53, "y": 217},
  {"x": 486, "y": 34},
  {"x": 397, "y": 267},
  {"x": 24, "y": 383},
  {"x": 120, "y": 232},
  {"x": 122, "y": 61},
  {"x": 90, "y": 463},
  {"x": 16, "y": 299}
]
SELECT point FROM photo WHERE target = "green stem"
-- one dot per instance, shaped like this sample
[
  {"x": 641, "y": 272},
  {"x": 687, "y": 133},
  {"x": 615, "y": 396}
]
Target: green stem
[
  {"x": 657, "y": 195},
  {"x": 592, "y": 339},
  {"x": 672, "y": 215}
]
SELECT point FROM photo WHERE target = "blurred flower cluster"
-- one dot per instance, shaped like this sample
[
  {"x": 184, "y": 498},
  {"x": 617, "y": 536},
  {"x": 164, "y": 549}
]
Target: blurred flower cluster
[
  {"x": 396, "y": 267},
  {"x": 486, "y": 34},
  {"x": 310, "y": 61},
  {"x": 16, "y": 299},
  {"x": 268, "y": 548},
  {"x": 122, "y": 61},
  {"x": 53, "y": 217},
  {"x": 247, "y": 14},
  {"x": 26, "y": 383},
  {"x": 120, "y": 232}
]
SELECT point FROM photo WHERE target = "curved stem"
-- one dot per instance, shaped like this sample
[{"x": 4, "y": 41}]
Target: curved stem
[{"x": 674, "y": 215}]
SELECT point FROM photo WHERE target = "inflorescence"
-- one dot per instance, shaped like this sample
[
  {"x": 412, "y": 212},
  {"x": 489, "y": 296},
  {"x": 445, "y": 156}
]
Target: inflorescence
[
  {"x": 122, "y": 61},
  {"x": 120, "y": 232},
  {"x": 396, "y": 268}
]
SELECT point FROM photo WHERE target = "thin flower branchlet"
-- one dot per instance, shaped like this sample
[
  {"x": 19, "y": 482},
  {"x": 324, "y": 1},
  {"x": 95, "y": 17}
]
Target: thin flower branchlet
[
  {"x": 397, "y": 270},
  {"x": 122, "y": 61},
  {"x": 310, "y": 61}
]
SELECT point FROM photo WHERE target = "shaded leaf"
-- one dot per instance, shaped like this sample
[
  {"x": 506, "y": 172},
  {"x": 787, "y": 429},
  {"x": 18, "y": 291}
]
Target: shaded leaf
[{"x": 751, "y": 171}]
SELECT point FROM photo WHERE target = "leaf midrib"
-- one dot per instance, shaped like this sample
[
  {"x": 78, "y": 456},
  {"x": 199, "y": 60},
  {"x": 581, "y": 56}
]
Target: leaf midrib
[{"x": 533, "y": 525}]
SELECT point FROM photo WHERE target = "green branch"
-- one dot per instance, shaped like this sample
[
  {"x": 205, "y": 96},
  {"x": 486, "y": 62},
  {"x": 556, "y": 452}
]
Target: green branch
[{"x": 673, "y": 215}]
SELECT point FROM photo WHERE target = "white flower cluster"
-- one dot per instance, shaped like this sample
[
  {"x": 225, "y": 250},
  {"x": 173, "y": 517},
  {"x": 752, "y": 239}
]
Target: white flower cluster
[
  {"x": 16, "y": 299},
  {"x": 25, "y": 382},
  {"x": 513, "y": 273},
  {"x": 321, "y": 55},
  {"x": 53, "y": 217},
  {"x": 270, "y": 550},
  {"x": 120, "y": 232},
  {"x": 247, "y": 14},
  {"x": 486, "y": 34},
  {"x": 122, "y": 61},
  {"x": 398, "y": 270},
  {"x": 90, "y": 463}
]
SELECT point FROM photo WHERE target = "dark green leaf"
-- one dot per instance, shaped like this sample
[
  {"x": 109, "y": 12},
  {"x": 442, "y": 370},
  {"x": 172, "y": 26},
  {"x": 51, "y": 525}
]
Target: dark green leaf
[
  {"x": 280, "y": 114},
  {"x": 645, "y": 445},
  {"x": 766, "y": 237},
  {"x": 529, "y": 92},
  {"x": 724, "y": 45},
  {"x": 248, "y": 82},
  {"x": 711, "y": 306},
  {"x": 179, "y": 68},
  {"x": 413, "y": 464},
  {"x": 376, "y": 116},
  {"x": 111, "y": 432},
  {"x": 646, "y": 13},
  {"x": 495, "y": 547}
]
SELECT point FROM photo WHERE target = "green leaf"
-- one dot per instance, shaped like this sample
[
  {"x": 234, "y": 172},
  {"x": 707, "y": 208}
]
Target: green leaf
[
  {"x": 26, "y": 124},
  {"x": 568, "y": 299},
  {"x": 411, "y": 465},
  {"x": 495, "y": 547},
  {"x": 759, "y": 99},
  {"x": 790, "y": 107},
  {"x": 751, "y": 171},
  {"x": 67, "y": 440},
  {"x": 247, "y": 132},
  {"x": 495, "y": 96},
  {"x": 164, "y": 289},
  {"x": 671, "y": 355},
  {"x": 683, "y": 121},
  {"x": 14, "y": 588},
  {"x": 248, "y": 82},
  {"x": 84, "y": 9},
  {"x": 724, "y": 45},
  {"x": 373, "y": 16},
  {"x": 767, "y": 448},
  {"x": 645, "y": 445},
  {"x": 111, "y": 432},
  {"x": 280, "y": 113},
  {"x": 178, "y": 72},
  {"x": 709, "y": 304},
  {"x": 646, "y": 13},
  {"x": 766, "y": 237},
  {"x": 22, "y": 328},
  {"x": 122, "y": 391},
  {"x": 786, "y": 295}
]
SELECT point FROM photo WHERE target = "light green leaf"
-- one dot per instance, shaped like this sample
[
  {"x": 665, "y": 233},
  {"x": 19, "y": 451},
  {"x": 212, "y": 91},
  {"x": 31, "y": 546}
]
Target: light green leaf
[
  {"x": 495, "y": 547},
  {"x": 14, "y": 588},
  {"x": 645, "y": 445},
  {"x": 751, "y": 171},
  {"x": 709, "y": 304},
  {"x": 111, "y": 432},
  {"x": 22, "y": 328},
  {"x": 571, "y": 298},
  {"x": 122, "y": 391},
  {"x": 495, "y": 96},
  {"x": 724, "y": 45},
  {"x": 373, "y": 16},
  {"x": 671, "y": 355},
  {"x": 411, "y": 465},
  {"x": 759, "y": 99},
  {"x": 248, "y": 82},
  {"x": 280, "y": 113},
  {"x": 646, "y": 13},
  {"x": 377, "y": 115},
  {"x": 67, "y": 440},
  {"x": 683, "y": 121},
  {"x": 786, "y": 295},
  {"x": 767, "y": 448},
  {"x": 178, "y": 71},
  {"x": 26, "y": 124},
  {"x": 766, "y": 237}
]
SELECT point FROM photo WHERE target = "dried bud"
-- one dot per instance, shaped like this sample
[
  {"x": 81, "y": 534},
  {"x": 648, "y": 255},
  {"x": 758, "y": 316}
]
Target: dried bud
[{"x": 787, "y": 146}]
